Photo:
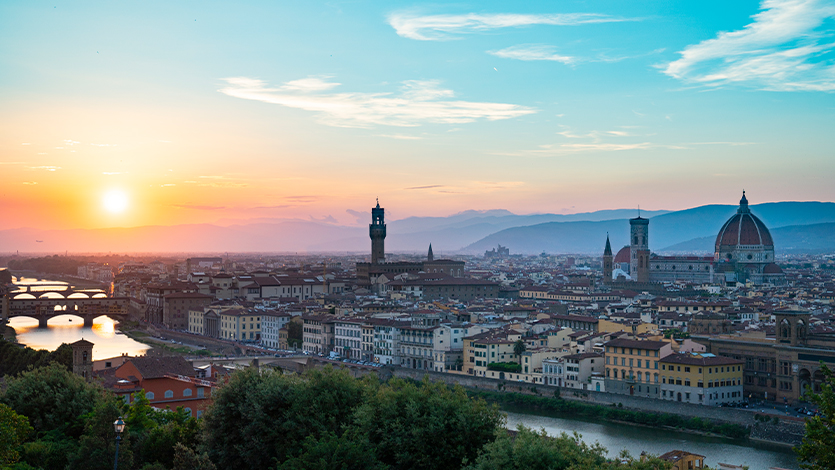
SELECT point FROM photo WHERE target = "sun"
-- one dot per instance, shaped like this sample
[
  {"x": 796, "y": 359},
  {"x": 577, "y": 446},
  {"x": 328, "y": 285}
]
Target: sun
[{"x": 115, "y": 201}]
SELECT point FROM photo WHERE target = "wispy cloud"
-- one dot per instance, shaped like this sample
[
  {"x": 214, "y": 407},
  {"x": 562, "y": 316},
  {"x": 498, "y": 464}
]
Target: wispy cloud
[
  {"x": 445, "y": 27},
  {"x": 400, "y": 136},
  {"x": 12, "y": 163},
  {"x": 787, "y": 47},
  {"x": 110, "y": 173},
  {"x": 418, "y": 102},
  {"x": 30, "y": 182},
  {"x": 530, "y": 52},
  {"x": 103, "y": 145},
  {"x": 302, "y": 199},
  {"x": 431, "y": 186},
  {"x": 47, "y": 168}
]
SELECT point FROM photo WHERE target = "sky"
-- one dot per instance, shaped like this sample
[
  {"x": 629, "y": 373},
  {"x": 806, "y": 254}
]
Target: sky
[{"x": 122, "y": 114}]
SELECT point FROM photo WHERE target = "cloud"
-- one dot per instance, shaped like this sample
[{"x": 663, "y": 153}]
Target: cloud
[
  {"x": 12, "y": 163},
  {"x": 533, "y": 52},
  {"x": 111, "y": 172},
  {"x": 282, "y": 206},
  {"x": 302, "y": 199},
  {"x": 30, "y": 182},
  {"x": 198, "y": 207},
  {"x": 444, "y": 27},
  {"x": 787, "y": 47},
  {"x": 400, "y": 136},
  {"x": 47, "y": 168},
  {"x": 167, "y": 185},
  {"x": 212, "y": 177},
  {"x": 418, "y": 102},
  {"x": 71, "y": 142},
  {"x": 103, "y": 145},
  {"x": 431, "y": 186},
  {"x": 362, "y": 217},
  {"x": 328, "y": 220}
]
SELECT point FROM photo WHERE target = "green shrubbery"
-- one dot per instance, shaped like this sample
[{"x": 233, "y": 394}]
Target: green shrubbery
[
  {"x": 611, "y": 413},
  {"x": 511, "y": 367}
]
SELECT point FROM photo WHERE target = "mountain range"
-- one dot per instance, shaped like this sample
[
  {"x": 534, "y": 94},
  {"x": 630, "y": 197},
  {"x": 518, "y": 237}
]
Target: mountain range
[{"x": 796, "y": 226}]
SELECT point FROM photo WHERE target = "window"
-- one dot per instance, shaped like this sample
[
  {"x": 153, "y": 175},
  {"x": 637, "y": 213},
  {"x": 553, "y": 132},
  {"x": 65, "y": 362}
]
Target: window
[
  {"x": 686, "y": 369},
  {"x": 200, "y": 392},
  {"x": 187, "y": 392},
  {"x": 169, "y": 394},
  {"x": 149, "y": 395},
  {"x": 188, "y": 411}
]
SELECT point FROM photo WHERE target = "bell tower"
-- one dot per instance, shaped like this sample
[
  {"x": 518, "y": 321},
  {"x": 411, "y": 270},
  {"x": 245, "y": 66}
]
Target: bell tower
[
  {"x": 607, "y": 262},
  {"x": 377, "y": 232},
  {"x": 639, "y": 249},
  {"x": 82, "y": 359}
]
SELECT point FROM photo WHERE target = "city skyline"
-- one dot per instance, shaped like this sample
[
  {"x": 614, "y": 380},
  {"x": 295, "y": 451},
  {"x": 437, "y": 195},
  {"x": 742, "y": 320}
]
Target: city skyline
[{"x": 116, "y": 116}]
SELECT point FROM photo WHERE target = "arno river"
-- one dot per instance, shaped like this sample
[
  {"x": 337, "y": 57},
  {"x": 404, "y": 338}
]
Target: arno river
[
  {"x": 616, "y": 437},
  {"x": 69, "y": 328}
]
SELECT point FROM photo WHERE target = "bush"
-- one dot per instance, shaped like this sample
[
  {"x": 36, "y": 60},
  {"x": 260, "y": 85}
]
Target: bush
[{"x": 511, "y": 367}]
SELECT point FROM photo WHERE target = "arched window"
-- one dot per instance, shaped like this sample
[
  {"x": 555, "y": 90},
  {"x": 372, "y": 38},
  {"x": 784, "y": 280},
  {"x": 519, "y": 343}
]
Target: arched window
[
  {"x": 187, "y": 392},
  {"x": 149, "y": 395},
  {"x": 169, "y": 394},
  {"x": 188, "y": 411}
]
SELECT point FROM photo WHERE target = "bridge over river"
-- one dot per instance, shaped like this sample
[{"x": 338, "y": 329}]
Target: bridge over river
[{"x": 44, "y": 302}]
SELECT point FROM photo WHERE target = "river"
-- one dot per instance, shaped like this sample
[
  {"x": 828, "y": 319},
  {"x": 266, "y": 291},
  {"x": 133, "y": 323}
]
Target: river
[
  {"x": 107, "y": 340},
  {"x": 636, "y": 439}
]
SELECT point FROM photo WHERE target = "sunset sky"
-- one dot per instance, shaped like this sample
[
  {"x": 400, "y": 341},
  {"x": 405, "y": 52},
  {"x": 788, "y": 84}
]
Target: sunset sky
[{"x": 156, "y": 113}]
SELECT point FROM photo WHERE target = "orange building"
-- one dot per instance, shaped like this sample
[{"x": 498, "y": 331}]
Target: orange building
[{"x": 167, "y": 382}]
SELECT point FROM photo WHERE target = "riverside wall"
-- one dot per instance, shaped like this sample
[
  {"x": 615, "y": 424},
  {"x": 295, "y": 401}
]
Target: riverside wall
[{"x": 787, "y": 431}]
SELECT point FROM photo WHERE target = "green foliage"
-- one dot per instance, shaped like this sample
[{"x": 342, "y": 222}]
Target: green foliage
[
  {"x": 156, "y": 433},
  {"x": 530, "y": 450},
  {"x": 97, "y": 446},
  {"x": 817, "y": 452},
  {"x": 53, "y": 399},
  {"x": 519, "y": 347},
  {"x": 14, "y": 428},
  {"x": 188, "y": 459},
  {"x": 504, "y": 367},
  {"x": 611, "y": 413},
  {"x": 332, "y": 452},
  {"x": 426, "y": 426},
  {"x": 261, "y": 416},
  {"x": 294, "y": 334},
  {"x": 15, "y": 359}
]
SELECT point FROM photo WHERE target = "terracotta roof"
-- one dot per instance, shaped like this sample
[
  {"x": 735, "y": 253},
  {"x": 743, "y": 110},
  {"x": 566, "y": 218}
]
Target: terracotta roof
[
  {"x": 632, "y": 343},
  {"x": 157, "y": 367}
]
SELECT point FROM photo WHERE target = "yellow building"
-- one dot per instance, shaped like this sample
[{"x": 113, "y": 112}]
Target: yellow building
[
  {"x": 700, "y": 378},
  {"x": 632, "y": 366},
  {"x": 636, "y": 327},
  {"x": 240, "y": 324}
]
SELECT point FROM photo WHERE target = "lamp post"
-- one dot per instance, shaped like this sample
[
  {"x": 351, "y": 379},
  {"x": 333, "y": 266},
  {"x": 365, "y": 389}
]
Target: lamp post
[{"x": 118, "y": 426}]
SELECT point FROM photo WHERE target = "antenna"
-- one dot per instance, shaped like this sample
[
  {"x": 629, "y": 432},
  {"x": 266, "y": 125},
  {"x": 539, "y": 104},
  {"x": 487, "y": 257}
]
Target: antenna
[{"x": 639, "y": 210}]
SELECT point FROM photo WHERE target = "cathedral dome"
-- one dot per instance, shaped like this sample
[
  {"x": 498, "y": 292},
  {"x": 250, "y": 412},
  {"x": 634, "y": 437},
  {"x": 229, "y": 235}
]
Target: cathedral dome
[
  {"x": 743, "y": 229},
  {"x": 623, "y": 255}
]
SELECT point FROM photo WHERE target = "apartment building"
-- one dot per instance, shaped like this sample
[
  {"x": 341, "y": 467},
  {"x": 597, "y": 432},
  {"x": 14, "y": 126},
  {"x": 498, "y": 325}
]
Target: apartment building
[
  {"x": 240, "y": 324},
  {"x": 632, "y": 366},
  {"x": 701, "y": 378},
  {"x": 347, "y": 334},
  {"x": 272, "y": 321}
]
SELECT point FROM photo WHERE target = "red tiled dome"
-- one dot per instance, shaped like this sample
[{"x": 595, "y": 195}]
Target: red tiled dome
[
  {"x": 623, "y": 255},
  {"x": 744, "y": 228}
]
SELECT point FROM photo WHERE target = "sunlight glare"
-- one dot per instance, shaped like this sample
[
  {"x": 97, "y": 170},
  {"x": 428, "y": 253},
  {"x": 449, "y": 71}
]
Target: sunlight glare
[{"x": 115, "y": 201}]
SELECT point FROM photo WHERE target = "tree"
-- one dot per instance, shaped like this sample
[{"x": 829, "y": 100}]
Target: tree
[
  {"x": 53, "y": 399},
  {"x": 260, "y": 418},
  {"x": 426, "y": 426},
  {"x": 531, "y": 450},
  {"x": 294, "y": 334},
  {"x": 14, "y": 429},
  {"x": 817, "y": 452},
  {"x": 332, "y": 452},
  {"x": 519, "y": 348}
]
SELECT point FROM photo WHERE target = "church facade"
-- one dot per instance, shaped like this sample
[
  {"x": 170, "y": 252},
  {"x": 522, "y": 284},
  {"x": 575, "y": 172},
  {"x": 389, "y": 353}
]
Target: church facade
[{"x": 743, "y": 252}]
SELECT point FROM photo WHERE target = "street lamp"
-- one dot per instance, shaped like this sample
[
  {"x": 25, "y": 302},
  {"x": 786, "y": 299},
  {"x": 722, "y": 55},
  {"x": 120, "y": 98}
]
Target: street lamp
[{"x": 118, "y": 426}]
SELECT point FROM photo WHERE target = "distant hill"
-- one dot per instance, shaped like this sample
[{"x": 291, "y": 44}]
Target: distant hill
[
  {"x": 665, "y": 231},
  {"x": 813, "y": 238},
  {"x": 477, "y": 231}
]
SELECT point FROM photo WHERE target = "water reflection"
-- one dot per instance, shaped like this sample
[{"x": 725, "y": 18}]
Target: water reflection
[
  {"x": 70, "y": 328},
  {"x": 635, "y": 439}
]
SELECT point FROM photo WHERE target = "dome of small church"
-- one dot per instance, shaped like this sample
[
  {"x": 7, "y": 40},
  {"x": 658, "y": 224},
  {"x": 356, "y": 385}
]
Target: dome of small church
[
  {"x": 623, "y": 255},
  {"x": 743, "y": 229}
]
